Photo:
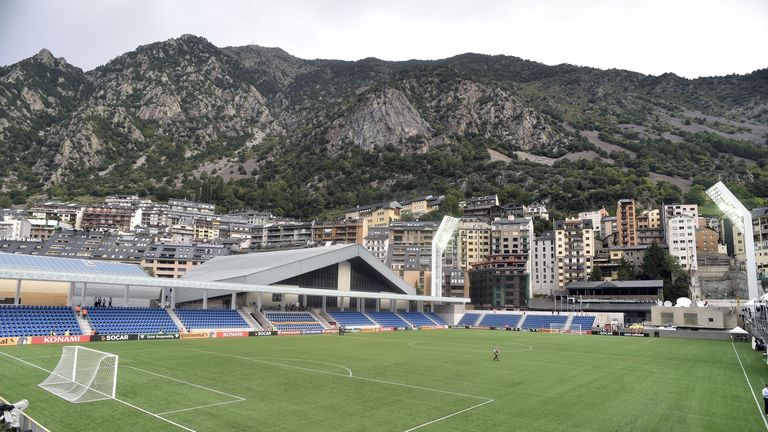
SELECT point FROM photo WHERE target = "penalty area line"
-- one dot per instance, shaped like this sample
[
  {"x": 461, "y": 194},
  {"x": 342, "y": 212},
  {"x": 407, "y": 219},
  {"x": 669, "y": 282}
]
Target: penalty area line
[
  {"x": 749, "y": 385},
  {"x": 115, "y": 399},
  {"x": 449, "y": 415}
]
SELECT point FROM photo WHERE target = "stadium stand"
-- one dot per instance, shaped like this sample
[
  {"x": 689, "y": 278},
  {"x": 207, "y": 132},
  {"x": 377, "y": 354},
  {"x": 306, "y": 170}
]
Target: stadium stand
[
  {"x": 211, "y": 319},
  {"x": 351, "y": 319},
  {"x": 543, "y": 321},
  {"x": 469, "y": 319},
  {"x": 417, "y": 319},
  {"x": 586, "y": 322},
  {"x": 388, "y": 319},
  {"x": 293, "y": 321},
  {"x": 129, "y": 320},
  {"x": 500, "y": 320},
  {"x": 436, "y": 318},
  {"x": 18, "y": 321}
]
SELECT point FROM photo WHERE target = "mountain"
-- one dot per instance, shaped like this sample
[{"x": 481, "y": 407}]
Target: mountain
[{"x": 256, "y": 127}]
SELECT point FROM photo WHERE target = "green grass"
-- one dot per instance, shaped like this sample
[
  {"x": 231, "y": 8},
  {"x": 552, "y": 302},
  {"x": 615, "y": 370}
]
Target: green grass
[{"x": 402, "y": 380}]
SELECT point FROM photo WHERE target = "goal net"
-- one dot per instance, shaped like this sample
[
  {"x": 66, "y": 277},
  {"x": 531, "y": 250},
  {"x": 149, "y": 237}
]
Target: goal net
[
  {"x": 83, "y": 375},
  {"x": 560, "y": 328}
]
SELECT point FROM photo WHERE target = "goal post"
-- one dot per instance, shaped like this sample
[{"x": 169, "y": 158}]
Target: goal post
[
  {"x": 83, "y": 375},
  {"x": 560, "y": 329}
]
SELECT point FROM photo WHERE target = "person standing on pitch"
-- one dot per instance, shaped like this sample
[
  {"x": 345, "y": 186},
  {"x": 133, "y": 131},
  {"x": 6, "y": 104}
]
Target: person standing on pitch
[
  {"x": 765, "y": 398},
  {"x": 497, "y": 351}
]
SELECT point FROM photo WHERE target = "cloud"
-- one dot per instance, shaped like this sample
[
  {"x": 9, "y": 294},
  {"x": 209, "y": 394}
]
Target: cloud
[{"x": 687, "y": 37}]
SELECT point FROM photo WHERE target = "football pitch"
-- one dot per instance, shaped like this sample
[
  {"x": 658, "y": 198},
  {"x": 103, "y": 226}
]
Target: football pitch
[{"x": 443, "y": 380}]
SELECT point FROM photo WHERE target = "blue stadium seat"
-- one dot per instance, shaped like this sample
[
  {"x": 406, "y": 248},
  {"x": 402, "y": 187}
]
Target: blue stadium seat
[
  {"x": 543, "y": 321},
  {"x": 211, "y": 319},
  {"x": 417, "y": 319},
  {"x": 351, "y": 319},
  {"x": 23, "y": 320},
  {"x": 500, "y": 320},
  {"x": 388, "y": 319},
  {"x": 436, "y": 318},
  {"x": 469, "y": 319},
  {"x": 130, "y": 320},
  {"x": 293, "y": 320},
  {"x": 586, "y": 322}
]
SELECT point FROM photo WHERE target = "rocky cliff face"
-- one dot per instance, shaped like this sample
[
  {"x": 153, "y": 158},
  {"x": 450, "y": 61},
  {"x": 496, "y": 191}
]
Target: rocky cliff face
[
  {"x": 172, "y": 114},
  {"x": 381, "y": 118}
]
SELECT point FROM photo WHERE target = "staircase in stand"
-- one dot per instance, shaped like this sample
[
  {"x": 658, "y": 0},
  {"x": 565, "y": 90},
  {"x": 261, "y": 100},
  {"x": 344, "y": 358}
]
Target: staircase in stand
[
  {"x": 85, "y": 325},
  {"x": 176, "y": 320},
  {"x": 245, "y": 312},
  {"x": 568, "y": 322}
]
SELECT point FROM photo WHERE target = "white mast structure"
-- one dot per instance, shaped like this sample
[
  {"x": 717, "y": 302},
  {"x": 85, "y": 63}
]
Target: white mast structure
[
  {"x": 443, "y": 236},
  {"x": 741, "y": 218}
]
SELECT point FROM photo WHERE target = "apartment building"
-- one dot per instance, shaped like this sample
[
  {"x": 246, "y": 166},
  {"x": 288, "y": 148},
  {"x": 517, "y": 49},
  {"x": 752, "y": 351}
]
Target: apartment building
[
  {"x": 377, "y": 242},
  {"x": 70, "y": 213},
  {"x": 410, "y": 251},
  {"x": 649, "y": 219},
  {"x": 501, "y": 282},
  {"x": 344, "y": 231},
  {"x": 376, "y": 215},
  {"x": 626, "y": 222},
  {"x": 108, "y": 218},
  {"x": 596, "y": 217},
  {"x": 474, "y": 242},
  {"x": 175, "y": 260},
  {"x": 681, "y": 239},
  {"x": 420, "y": 206},
  {"x": 760, "y": 233},
  {"x": 545, "y": 276},
  {"x": 574, "y": 249}
]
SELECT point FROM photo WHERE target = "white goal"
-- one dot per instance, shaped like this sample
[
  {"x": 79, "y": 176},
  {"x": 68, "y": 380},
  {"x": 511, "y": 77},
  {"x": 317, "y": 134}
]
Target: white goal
[
  {"x": 83, "y": 375},
  {"x": 560, "y": 329}
]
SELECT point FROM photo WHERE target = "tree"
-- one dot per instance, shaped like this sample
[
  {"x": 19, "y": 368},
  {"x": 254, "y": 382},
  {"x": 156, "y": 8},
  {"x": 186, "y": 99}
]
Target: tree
[
  {"x": 625, "y": 271},
  {"x": 597, "y": 274},
  {"x": 655, "y": 262}
]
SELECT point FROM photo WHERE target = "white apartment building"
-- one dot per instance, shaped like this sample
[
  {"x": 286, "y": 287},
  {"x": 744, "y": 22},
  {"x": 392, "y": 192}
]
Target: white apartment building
[
  {"x": 544, "y": 276},
  {"x": 680, "y": 236},
  {"x": 596, "y": 217}
]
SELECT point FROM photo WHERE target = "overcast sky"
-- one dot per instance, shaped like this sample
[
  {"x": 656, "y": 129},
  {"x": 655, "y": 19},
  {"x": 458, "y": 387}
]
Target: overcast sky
[{"x": 688, "y": 37}]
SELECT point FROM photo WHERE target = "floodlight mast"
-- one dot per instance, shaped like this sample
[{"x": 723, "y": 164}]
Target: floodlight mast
[
  {"x": 443, "y": 236},
  {"x": 741, "y": 218}
]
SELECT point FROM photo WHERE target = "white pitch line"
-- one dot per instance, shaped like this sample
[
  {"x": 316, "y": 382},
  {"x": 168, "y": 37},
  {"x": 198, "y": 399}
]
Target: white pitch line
[
  {"x": 749, "y": 384},
  {"x": 116, "y": 399},
  {"x": 199, "y": 407},
  {"x": 239, "y": 398},
  {"x": 449, "y": 415},
  {"x": 273, "y": 363},
  {"x": 485, "y": 402}
]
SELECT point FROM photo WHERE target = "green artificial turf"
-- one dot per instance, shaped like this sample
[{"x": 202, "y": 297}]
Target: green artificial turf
[{"x": 403, "y": 380}]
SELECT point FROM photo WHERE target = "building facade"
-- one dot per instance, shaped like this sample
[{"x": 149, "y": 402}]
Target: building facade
[{"x": 574, "y": 249}]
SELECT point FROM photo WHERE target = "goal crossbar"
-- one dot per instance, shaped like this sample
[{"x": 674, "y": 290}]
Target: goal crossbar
[
  {"x": 560, "y": 329},
  {"x": 83, "y": 375}
]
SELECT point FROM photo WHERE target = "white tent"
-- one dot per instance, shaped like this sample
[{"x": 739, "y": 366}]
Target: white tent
[{"x": 738, "y": 330}]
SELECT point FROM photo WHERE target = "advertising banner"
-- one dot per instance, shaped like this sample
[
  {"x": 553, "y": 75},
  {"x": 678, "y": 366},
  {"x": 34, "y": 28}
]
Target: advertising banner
[
  {"x": 114, "y": 337},
  {"x": 59, "y": 339},
  {"x": 228, "y": 334},
  {"x": 288, "y": 332},
  {"x": 14, "y": 341},
  {"x": 313, "y": 331},
  {"x": 158, "y": 336},
  {"x": 263, "y": 333},
  {"x": 198, "y": 335},
  {"x": 387, "y": 329}
]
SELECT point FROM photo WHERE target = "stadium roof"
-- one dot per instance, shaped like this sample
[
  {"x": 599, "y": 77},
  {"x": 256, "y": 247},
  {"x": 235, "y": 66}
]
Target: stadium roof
[
  {"x": 69, "y": 265},
  {"x": 14, "y": 270},
  {"x": 268, "y": 268}
]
